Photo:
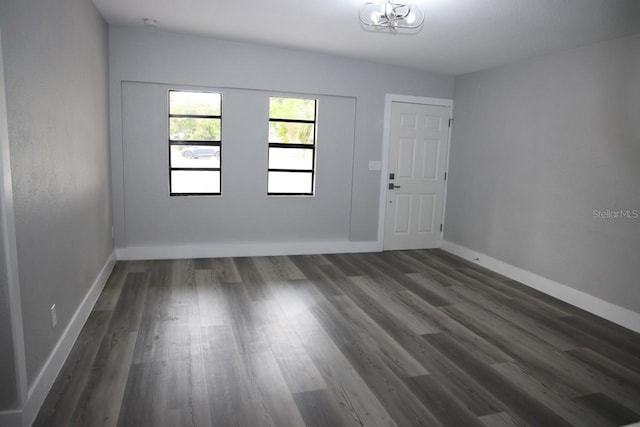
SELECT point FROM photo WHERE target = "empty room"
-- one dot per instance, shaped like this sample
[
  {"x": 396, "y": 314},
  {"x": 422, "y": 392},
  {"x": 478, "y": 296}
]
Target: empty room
[{"x": 338, "y": 213}]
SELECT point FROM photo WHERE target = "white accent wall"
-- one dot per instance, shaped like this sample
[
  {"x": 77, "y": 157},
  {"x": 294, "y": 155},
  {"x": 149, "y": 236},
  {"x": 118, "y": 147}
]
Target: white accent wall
[
  {"x": 342, "y": 216},
  {"x": 544, "y": 154}
]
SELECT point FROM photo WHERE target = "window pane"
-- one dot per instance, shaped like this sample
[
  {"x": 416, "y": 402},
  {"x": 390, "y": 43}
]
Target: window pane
[
  {"x": 195, "y": 156},
  {"x": 292, "y": 108},
  {"x": 196, "y": 103},
  {"x": 293, "y": 133},
  {"x": 194, "y": 129},
  {"x": 290, "y": 182},
  {"x": 195, "y": 182},
  {"x": 290, "y": 158}
]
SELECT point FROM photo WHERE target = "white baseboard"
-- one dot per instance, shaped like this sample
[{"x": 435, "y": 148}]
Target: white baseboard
[
  {"x": 45, "y": 379},
  {"x": 242, "y": 249},
  {"x": 612, "y": 312}
]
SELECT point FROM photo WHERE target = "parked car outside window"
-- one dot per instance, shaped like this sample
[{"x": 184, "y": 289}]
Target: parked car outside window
[{"x": 198, "y": 151}]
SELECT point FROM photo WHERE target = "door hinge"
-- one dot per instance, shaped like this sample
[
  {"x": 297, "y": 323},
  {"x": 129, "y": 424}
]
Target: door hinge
[
  {"x": 441, "y": 228},
  {"x": 445, "y": 176},
  {"x": 450, "y": 121}
]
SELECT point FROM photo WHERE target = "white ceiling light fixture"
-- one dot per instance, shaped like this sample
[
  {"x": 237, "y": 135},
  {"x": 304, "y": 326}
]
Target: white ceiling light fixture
[{"x": 391, "y": 16}]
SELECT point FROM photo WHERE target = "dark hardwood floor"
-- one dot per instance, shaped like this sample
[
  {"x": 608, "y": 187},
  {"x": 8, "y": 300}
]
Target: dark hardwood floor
[{"x": 405, "y": 338}]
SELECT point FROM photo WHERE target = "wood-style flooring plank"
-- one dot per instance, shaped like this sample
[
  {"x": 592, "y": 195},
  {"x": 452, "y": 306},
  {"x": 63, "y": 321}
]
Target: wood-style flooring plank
[
  {"x": 524, "y": 406},
  {"x": 347, "y": 265},
  {"x": 244, "y": 319},
  {"x": 474, "y": 396},
  {"x": 602, "y": 406},
  {"x": 319, "y": 408},
  {"x": 501, "y": 419},
  {"x": 272, "y": 394},
  {"x": 278, "y": 269},
  {"x": 528, "y": 350},
  {"x": 418, "y": 337},
  {"x": 224, "y": 270},
  {"x": 546, "y": 394},
  {"x": 545, "y": 307},
  {"x": 256, "y": 287},
  {"x": 64, "y": 395},
  {"x": 478, "y": 345},
  {"x": 355, "y": 399},
  {"x": 324, "y": 276},
  {"x": 611, "y": 368},
  {"x": 145, "y": 399},
  {"x": 425, "y": 289},
  {"x": 298, "y": 370},
  {"x": 151, "y": 342},
  {"x": 211, "y": 303},
  {"x": 232, "y": 399},
  {"x": 111, "y": 291},
  {"x": 393, "y": 354},
  {"x": 402, "y": 405},
  {"x": 388, "y": 298},
  {"x": 101, "y": 400},
  {"x": 571, "y": 376},
  {"x": 531, "y": 322},
  {"x": 442, "y": 403},
  {"x": 433, "y": 270},
  {"x": 620, "y": 351}
]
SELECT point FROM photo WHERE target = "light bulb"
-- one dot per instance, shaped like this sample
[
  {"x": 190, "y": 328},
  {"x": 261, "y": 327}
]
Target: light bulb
[{"x": 411, "y": 18}]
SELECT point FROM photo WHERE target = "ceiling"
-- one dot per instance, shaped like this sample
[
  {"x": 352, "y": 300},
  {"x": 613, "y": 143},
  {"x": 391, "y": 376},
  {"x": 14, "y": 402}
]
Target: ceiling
[{"x": 459, "y": 36}]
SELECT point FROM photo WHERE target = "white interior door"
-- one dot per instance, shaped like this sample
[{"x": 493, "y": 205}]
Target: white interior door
[{"x": 418, "y": 150}]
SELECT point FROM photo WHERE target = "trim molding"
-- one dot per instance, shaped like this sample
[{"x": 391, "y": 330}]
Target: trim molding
[
  {"x": 130, "y": 253},
  {"x": 45, "y": 379},
  {"x": 612, "y": 312}
]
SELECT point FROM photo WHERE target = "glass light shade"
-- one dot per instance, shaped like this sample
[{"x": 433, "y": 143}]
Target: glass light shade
[
  {"x": 411, "y": 18},
  {"x": 391, "y": 16}
]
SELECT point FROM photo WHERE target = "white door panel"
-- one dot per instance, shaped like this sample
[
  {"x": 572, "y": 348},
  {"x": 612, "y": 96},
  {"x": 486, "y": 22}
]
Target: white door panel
[
  {"x": 427, "y": 204},
  {"x": 418, "y": 147}
]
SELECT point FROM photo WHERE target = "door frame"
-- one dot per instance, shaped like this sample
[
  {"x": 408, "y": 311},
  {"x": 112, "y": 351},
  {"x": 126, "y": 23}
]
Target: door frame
[{"x": 388, "y": 100}]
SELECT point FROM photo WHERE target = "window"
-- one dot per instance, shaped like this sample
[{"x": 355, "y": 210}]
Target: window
[
  {"x": 292, "y": 146},
  {"x": 195, "y": 145}
]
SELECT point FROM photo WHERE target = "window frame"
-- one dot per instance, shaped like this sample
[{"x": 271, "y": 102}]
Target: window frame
[
  {"x": 312, "y": 147},
  {"x": 178, "y": 143}
]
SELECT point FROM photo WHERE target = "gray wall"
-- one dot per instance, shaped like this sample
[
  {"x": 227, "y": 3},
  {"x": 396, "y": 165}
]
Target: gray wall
[
  {"x": 9, "y": 389},
  {"x": 537, "y": 147},
  {"x": 243, "y": 213},
  {"x": 55, "y": 61},
  {"x": 160, "y": 57}
]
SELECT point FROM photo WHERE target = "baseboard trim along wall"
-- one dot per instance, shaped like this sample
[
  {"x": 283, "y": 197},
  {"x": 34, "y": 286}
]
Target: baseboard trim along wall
[
  {"x": 612, "y": 312},
  {"x": 45, "y": 379},
  {"x": 243, "y": 249}
]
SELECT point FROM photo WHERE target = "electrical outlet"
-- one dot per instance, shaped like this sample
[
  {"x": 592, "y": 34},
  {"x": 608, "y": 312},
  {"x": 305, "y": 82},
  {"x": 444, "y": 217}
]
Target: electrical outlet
[{"x": 54, "y": 316}]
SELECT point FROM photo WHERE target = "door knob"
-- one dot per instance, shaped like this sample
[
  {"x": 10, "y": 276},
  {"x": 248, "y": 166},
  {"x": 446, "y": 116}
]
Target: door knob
[{"x": 391, "y": 186}]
